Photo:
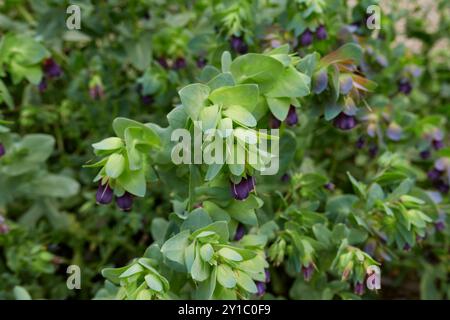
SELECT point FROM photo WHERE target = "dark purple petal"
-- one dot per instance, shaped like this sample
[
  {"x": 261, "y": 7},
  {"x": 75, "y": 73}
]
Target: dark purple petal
[
  {"x": 104, "y": 194},
  {"x": 320, "y": 81},
  {"x": 439, "y": 226},
  {"x": 373, "y": 150},
  {"x": 404, "y": 86},
  {"x": 321, "y": 32},
  {"x": 437, "y": 144},
  {"x": 442, "y": 186},
  {"x": 292, "y": 119},
  {"x": 238, "y": 45},
  {"x": 96, "y": 92},
  {"x": 180, "y": 63},
  {"x": 147, "y": 100},
  {"x": 425, "y": 154},
  {"x": 261, "y": 288},
  {"x": 2, "y": 150},
  {"x": 240, "y": 232},
  {"x": 406, "y": 247},
  {"x": 42, "y": 86},
  {"x": 306, "y": 38},
  {"x": 329, "y": 186},
  {"x": 359, "y": 288},
  {"x": 285, "y": 177},
  {"x": 241, "y": 190},
  {"x": 163, "y": 62},
  {"x": 434, "y": 174},
  {"x": 308, "y": 272},
  {"x": 267, "y": 274},
  {"x": 344, "y": 122},
  {"x": 360, "y": 143},
  {"x": 51, "y": 68},
  {"x": 274, "y": 123},
  {"x": 125, "y": 202}
]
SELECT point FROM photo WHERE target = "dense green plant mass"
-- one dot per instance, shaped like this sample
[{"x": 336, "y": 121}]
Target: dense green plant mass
[{"x": 364, "y": 159}]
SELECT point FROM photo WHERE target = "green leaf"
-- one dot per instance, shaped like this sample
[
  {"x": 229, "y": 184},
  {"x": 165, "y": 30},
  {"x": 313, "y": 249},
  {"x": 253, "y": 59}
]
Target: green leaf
[
  {"x": 120, "y": 125},
  {"x": 226, "y": 61},
  {"x": 230, "y": 254},
  {"x": 133, "y": 181},
  {"x": 115, "y": 165},
  {"x": 5, "y": 96},
  {"x": 20, "y": 293},
  {"x": 112, "y": 143},
  {"x": 193, "y": 97},
  {"x": 173, "y": 249},
  {"x": 206, "y": 252},
  {"x": 153, "y": 282},
  {"x": 279, "y": 107},
  {"x": 245, "y": 282},
  {"x": 240, "y": 115},
  {"x": 349, "y": 52},
  {"x": 225, "y": 276},
  {"x": 200, "y": 269},
  {"x": 244, "y": 95},
  {"x": 291, "y": 83}
]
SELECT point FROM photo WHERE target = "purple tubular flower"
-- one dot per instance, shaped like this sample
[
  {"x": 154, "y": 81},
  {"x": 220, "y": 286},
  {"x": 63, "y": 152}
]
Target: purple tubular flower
[
  {"x": 437, "y": 144},
  {"x": 163, "y": 62},
  {"x": 51, "y": 68},
  {"x": 359, "y": 288},
  {"x": 241, "y": 190},
  {"x": 306, "y": 38},
  {"x": 240, "y": 232},
  {"x": 440, "y": 226},
  {"x": 360, "y": 143},
  {"x": 42, "y": 86},
  {"x": 104, "y": 194},
  {"x": 4, "y": 229},
  {"x": 261, "y": 288},
  {"x": 291, "y": 119},
  {"x": 406, "y": 247},
  {"x": 404, "y": 86},
  {"x": 125, "y": 202},
  {"x": 434, "y": 175},
  {"x": 321, "y": 32},
  {"x": 344, "y": 122},
  {"x": 2, "y": 150},
  {"x": 180, "y": 63},
  {"x": 238, "y": 45},
  {"x": 373, "y": 150},
  {"x": 308, "y": 272},
  {"x": 425, "y": 154},
  {"x": 320, "y": 81},
  {"x": 274, "y": 123},
  {"x": 442, "y": 186}
]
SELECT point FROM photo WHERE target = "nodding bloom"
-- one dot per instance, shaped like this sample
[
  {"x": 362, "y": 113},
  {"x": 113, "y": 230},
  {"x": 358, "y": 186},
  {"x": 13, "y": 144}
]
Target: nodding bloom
[
  {"x": 308, "y": 272},
  {"x": 42, "y": 86},
  {"x": 439, "y": 225},
  {"x": 360, "y": 142},
  {"x": 163, "y": 62},
  {"x": 240, "y": 232},
  {"x": 201, "y": 62},
  {"x": 438, "y": 140},
  {"x": 2, "y": 150},
  {"x": 394, "y": 132},
  {"x": 306, "y": 38},
  {"x": 359, "y": 288},
  {"x": 180, "y": 63},
  {"x": 261, "y": 288},
  {"x": 104, "y": 194},
  {"x": 51, "y": 68},
  {"x": 241, "y": 190},
  {"x": 425, "y": 154},
  {"x": 321, "y": 32},
  {"x": 238, "y": 44},
  {"x": 291, "y": 119},
  {"x": 329, "y": 186},
  {"x": 434, "y": 174},
  {"x": 404, "y": 86},
  {"x": 442, "y": 186},
  {"x": 96, "y": 92},
  {"x": 344, "y": 121},
  {"x": 274, "y": 123},
  {"x": 125, "y": 202}
]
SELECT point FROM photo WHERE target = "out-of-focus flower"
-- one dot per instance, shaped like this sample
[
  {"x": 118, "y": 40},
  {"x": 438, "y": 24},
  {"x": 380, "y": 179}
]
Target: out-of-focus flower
[
  {"x": 394, "y": 131},
  {"x": 2, "y": 150},
  {"x": 405, "y": 86},
  {"x": 306, "y": 38},
  {"x": 179, "y": 63},
  {"x": 344, "y": 121},
  {"x": 359, "y": 288},
  {"x": 238, "y": 44},
  {"x": 51, "y": 68},
  {"x": 308, "y": 272},
  {"x": 321, "y": 32}
]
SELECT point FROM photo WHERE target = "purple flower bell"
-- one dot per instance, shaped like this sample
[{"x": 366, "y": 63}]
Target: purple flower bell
[
  {"x": 344, "y": 121},
  {"x": 240, "y": 232},
  {"x": 442, "y": 186},
  {"x": 241, "y": 190},
  {"x": 306, "y": 38},
  {"x": 359, "y": 288},
  {"x": 42, "y": 86},
  {"x": 125, "y": 202},
  {"x": 425, "y": 154},
  {"x": 2, "y": 150},
  {"x": 439, "y": 226},
  {"x": 274, "y": 123},
  {"x": 238, "y": 44},
  {"x": 51, "y": 68},
  {"x": 404, "y": 86},
  {"x": 434, "y": 174},
  {"x": 104, "y": 194},
  {"x": 147, "y": 100},
  {"x": 180, "y": 63},
  {"x": 308, "y": 272},
  {"x": 163, "y": 62},
  {"x": 261, "y": 288},
  {"x": 292, "y": 118},
  {"x": 360, "y": 142},
  {"x": 321, "y": 32}
]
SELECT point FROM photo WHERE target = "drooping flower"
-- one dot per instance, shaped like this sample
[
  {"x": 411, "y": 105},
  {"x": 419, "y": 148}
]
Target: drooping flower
[
  {"x": 163, "y": 62},
  {"x": 292, "y": 118},
  {"x": 96, "y": 92},
  {"x": 147, "y": 99},
  {"x": 308, "y": 272},
  {"x": 425, "y": 154},
  {"x": 344, "y": 121},
  {"x": 434, "y": 174},
  {"x": 42, "y": 86},
  {"x": 261, "y": 288},
  {"x": 360, "y": 142},
  {"x": 306, "y": 38},
  {"x": 201, "y": 62},
  {"x": 321, "y": 32},
  {"x": 240, "y": 232},
  {"x": 438, "y": 139},
  {"x": 125, "y": 202},
  {"x": 442, "y": 186},
  {"x": 4, "y": 229},
  {"x": 104, "y": 194},
  {"x": 274, "y": 123},
  {"x": 238, "y": 44},
  {"x": 359, "y": 288},
  {"x": 241, "y": 190},
  {"x": 329, "y": 186},
  {"x": 406, "y": 247},
  {"x": 404, "y": 86},
  {"x": 439, "y": 225},
  {"x": 51, "y": 68},
  {"x": 2, "y": 150},
  {"x": 179, "y": 63},
  {"x": 373, "y": 150}
]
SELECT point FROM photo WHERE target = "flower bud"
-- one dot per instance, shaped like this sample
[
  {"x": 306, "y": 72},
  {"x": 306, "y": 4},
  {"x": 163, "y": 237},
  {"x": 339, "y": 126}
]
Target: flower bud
[
  {"x": 404, "y": 86},
  {"x": 238, "y": 45},
  {"x": 104, "y": 194},
  {"x": 360, "y": 143},
  {"x": 180, "y": 63},
  {"x": 42, "y": 86},
  {"x": 329, "y": 186},
  {"x": 125, "y": 202},
  {"x": 321, "y": 32},
  {"x": 51, "y": 68},
  {"x": 306, "y": 38},
  {"x": 359, "y": 288},
  {"x": 291, "y": 118},
  {"x": 241, "y": 190},
  {"x": 261, "y": 288},
  {"x": 344, "y": 121},
  {"x": 240, "y": 232},
  {"x": 308, "y": 272},
  {"x": 394, "y": 132},
  {"x": 440, "y": 226},
  {"x": 425, "y": 154},
  {"x": 96, "y": 92},
  {"x": 274, "y": 123}
]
